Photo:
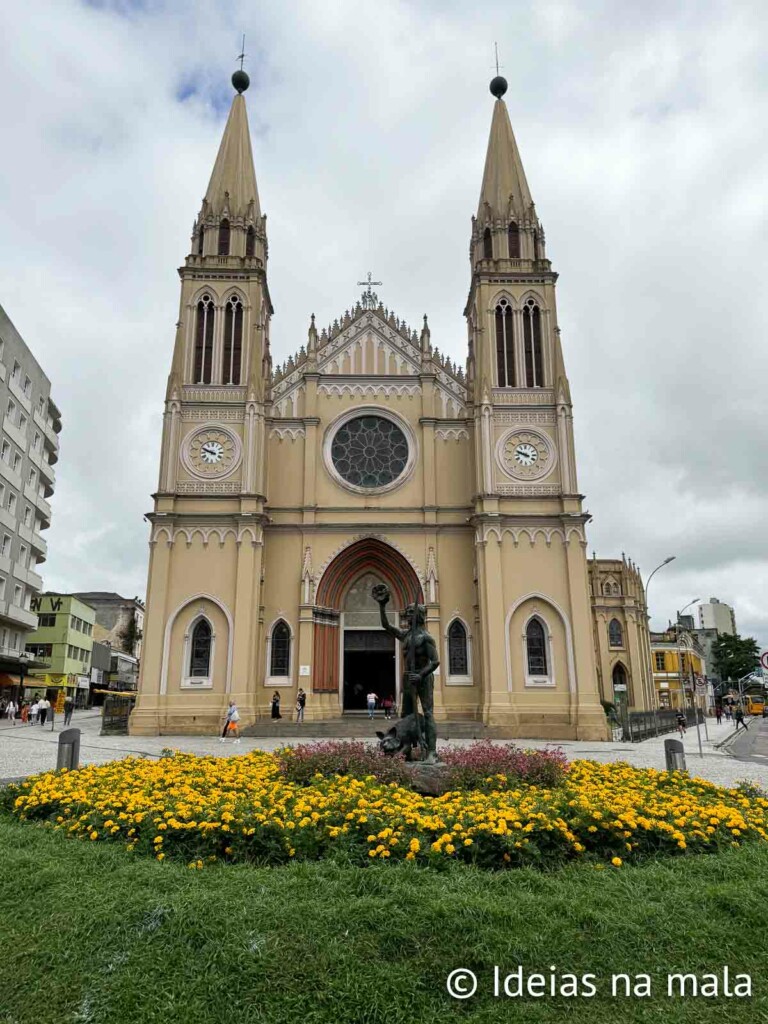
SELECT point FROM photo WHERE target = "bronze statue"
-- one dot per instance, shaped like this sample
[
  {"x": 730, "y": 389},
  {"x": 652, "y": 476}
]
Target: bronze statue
[{"x": 420, "y": 663}]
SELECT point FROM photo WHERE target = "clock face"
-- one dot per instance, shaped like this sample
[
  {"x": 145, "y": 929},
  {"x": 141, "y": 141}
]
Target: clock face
[
  {"x": 526, "y": 454},
  {"x": 211, "y": 451}
]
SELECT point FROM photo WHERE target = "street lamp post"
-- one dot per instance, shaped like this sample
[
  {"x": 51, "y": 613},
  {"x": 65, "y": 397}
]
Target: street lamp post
[{"x": 652, "y": 695}]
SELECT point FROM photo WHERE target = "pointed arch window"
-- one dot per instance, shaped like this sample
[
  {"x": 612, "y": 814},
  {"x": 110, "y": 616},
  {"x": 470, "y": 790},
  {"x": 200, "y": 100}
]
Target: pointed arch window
[
  {"x": 200, "y": 650},
  {"x": 280, "y": 650},
  {"x": 536, "y": 648},
  {"x": 513, "y": 240},
  {"x": 615, "y": 633},
  {"x": 536, "y": 244},
  {"x": 487, "y": 244},
  {"x": 458, "y": 655},
  {"x": 204, "y": 340},
  {"x": 250, "y": 242},
  {"x": 534, "y": 369},
  {"x": 233, "y": 341},
  {"x": 200, "y": 240},
  {"x": 505, "y": 346},
  {"x": 619, "y": 677},
  {"x": 224, "y": 237}
]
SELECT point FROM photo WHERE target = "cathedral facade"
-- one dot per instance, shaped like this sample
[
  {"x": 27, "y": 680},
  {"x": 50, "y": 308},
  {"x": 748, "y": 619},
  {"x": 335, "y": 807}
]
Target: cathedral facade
[{"x": 286, "y": 494}]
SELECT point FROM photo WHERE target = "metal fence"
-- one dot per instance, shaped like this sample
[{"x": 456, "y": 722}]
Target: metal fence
[
  {"x": 114, "y": 719},
  {"x": 641, "y": 725}
]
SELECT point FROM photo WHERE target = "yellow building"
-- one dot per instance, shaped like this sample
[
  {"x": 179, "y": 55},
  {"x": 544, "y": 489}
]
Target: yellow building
[
  {"x": 286, "y": 493},
  {"x": 679, "y": 669}
]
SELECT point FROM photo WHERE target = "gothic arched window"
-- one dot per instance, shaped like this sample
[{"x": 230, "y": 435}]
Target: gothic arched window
[
  {"x": 250, "y": 241},
  {"x": 233, "y": 341},
  {"x": 536, "y": 648},
  {"x": 615, "y": 633},
  {"x": 487, "y": 244},
  {"x": 224, "y": 238},
  {"x": 280, "y": 650},
  {"x": 200, "y": 650},
  {"x": 619, "y": 676},
  {"x": 534, "y": 370},
  {"x": 513, "y": 240},
  {"x": 458, "y": 655},
  {"x": 505, "y": 346},
  {"x": 200, "y": 240},
  {"x": 204, "y": 340}
]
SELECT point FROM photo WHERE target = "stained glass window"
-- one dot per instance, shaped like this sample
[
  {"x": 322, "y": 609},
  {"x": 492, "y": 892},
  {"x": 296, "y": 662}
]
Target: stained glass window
[
  {"x": 536, "y": 643},
  {"x": 458, "y": 663},
  {"x": 615, "y": 633},
  {"x": 280, "y": 653},
  {"x": 369, "y": 451},
  {"x": 200, "y": 661}
]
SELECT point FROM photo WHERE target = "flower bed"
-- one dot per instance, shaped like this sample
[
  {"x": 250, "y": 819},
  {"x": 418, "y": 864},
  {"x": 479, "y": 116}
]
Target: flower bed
[
  {"x": 207, "y": 809},
  {"x": 482, "y": 765}
]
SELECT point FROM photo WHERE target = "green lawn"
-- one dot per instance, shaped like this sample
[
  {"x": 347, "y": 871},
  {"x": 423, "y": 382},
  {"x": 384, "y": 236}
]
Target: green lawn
[{"x": 90, "y": 936}]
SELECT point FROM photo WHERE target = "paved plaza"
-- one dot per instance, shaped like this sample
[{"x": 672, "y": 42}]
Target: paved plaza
[{"x": 26, "y": 749}]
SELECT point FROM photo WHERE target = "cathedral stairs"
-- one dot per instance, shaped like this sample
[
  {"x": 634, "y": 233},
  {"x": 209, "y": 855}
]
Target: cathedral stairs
[{"x": 361, "y": 727}]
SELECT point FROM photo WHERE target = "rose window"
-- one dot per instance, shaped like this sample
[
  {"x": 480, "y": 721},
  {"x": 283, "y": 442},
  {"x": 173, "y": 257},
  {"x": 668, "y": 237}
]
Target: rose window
[{"x": 369, "y": 451}]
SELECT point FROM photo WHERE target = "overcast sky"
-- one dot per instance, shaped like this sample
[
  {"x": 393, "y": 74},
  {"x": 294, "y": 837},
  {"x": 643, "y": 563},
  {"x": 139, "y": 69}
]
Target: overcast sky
[{"x": 642, "y": 129}]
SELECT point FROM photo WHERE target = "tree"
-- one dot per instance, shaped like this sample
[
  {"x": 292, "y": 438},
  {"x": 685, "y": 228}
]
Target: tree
[
  {"x": 130, "y": 635},
  {"x": 735, "y": 656}
]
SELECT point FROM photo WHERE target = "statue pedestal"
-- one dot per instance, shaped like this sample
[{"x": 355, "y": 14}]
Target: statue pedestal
[{"x": 429, "y": 779}]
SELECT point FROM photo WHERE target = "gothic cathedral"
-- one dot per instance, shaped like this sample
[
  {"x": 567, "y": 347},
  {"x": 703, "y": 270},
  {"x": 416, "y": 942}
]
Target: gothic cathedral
[{"x": 286, "y": 493}]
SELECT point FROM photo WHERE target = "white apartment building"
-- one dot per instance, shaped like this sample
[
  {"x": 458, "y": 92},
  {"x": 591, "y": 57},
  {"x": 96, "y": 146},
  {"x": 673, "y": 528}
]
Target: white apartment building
[
  {"x": 714, "y": 614},
  {"x": 29, "y": 449}
]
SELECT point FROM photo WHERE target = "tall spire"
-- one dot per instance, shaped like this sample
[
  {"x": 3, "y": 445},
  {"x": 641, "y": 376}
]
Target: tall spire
[
  {"x": 505, "y": 189},
  {"x": 233, "y": 181}
]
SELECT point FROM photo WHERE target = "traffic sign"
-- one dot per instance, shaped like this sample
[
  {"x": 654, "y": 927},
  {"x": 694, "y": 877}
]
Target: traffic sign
[{"x": 764, "y": 660}]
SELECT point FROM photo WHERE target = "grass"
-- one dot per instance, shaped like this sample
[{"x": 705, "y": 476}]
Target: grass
[{"x": 89, "y": 935}]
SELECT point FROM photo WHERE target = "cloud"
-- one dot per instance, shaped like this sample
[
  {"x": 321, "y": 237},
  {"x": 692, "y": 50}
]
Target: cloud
[{"x": 640, "y": 127}]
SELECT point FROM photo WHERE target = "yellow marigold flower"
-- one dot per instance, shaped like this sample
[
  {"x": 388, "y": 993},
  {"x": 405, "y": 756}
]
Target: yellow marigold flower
[
  {"x": 94, "y": 835},
  {"x": 616, "y": 861},
  {"x": 161, "y": 856}
]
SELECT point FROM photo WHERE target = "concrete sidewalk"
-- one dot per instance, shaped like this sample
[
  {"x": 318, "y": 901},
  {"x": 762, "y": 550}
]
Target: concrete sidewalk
[{"x": 25, "y": 750}]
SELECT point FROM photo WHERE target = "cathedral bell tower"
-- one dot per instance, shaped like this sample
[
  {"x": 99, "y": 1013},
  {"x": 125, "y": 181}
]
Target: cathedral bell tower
[
  {"x": 206, "y": 528},
  {"x": 533, "y": 602}
]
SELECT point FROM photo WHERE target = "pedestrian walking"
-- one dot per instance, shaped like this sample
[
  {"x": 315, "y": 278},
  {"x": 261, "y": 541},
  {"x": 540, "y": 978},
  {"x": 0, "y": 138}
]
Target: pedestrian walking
[
  {"x": 738, "y": 715},
  {"x": 231, "y": 726},
  {"x": 34, "y": 712},
  {"x": 43, "y": 710},
  {"x": 3, "y": 706},
  {"x": 728, "y": 713},
  {"x": 386, "y": 705},
  {"x": 719, "y": 713},
  {"x": 10, "y": 711},
  {"x": 682, "y": 723},
  {"x": 371, "y": 701},
  {"x": 275, "y": 712},
  {"x": 25, "y": 713},
  {"x": 301, "y": 700},
  {"x": 69, "y": 707}
]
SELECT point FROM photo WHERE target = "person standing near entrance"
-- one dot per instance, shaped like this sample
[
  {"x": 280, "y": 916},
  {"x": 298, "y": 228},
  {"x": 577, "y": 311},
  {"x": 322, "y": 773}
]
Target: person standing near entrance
[
  {"x": 386, "y": 706},
  {"x": 301, "y": 700},
  {"x": 371, "y": 699},
  {"x": 275, "y": 712}
]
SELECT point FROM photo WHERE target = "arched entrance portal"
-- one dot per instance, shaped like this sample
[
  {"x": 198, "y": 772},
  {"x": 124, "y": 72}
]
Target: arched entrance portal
[{"x": 352, "y": 654}]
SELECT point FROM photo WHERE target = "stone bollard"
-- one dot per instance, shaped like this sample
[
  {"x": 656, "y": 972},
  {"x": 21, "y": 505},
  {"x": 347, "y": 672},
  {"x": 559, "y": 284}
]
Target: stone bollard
[
  {"x": 674, "y": 752},
  {"x": 69, "y": 750}
]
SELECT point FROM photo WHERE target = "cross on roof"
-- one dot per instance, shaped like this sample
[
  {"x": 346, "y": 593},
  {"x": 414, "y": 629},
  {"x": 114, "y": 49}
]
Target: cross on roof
[{"x": 369, "y": 298}]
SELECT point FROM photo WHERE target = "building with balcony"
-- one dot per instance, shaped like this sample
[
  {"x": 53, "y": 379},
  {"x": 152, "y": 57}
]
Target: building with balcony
[
  {"x": 29, "y": 449},
  {"x": 60, "y": 648}
]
